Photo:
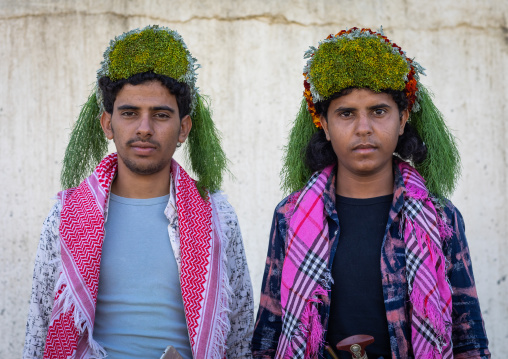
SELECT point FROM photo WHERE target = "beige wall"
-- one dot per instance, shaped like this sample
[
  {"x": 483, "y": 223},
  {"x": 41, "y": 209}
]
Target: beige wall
[{"x": 251, "y": 53}]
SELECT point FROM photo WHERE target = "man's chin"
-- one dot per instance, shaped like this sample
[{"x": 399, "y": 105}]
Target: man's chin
[
  {"x": 145, "y": 169},
  {"x": 367, "y": 167}
]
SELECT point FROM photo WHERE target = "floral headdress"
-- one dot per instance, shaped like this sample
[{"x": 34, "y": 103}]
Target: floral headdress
[
  {"x": 362, "y": 58},
  {"x": 162, "y": 51}
]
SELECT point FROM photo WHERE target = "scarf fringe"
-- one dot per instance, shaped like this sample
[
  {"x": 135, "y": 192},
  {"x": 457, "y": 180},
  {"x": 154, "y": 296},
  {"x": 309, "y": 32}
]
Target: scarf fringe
[
  {"x": 445, "y": 231},
  {"x": 428, "y": 311},
  {"x": 425, "y": 308},
  {"x": 310, "y": 326},
  {"x": 67, "y": 301},
  {"x": 435, "y": 251},
  {"x": 417, "y": 193},
  {"x": 223, "y": 323}
]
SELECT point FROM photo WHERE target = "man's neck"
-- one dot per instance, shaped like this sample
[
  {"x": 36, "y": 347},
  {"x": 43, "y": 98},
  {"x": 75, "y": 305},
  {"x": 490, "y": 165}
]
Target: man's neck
[
  {"x": 351, "y": 185},
  {"x": 131, "y": 185}
]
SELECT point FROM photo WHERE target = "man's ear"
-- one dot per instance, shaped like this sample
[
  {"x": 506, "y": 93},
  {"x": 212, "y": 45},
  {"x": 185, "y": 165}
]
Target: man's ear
[
  {"x": 404, "y": 116},
  {"x": 185, "y": 128},
  {"x": 324, "y": 124},
  {"x": 106, "y": 125}
]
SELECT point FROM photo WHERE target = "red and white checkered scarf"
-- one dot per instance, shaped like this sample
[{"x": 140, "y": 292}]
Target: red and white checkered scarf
[
  {"x": 305, "y": 276},
  {"x": 203, "y": 280}
]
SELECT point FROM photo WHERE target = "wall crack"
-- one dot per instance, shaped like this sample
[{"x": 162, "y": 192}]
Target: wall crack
[{"x": 271, "y": 19}]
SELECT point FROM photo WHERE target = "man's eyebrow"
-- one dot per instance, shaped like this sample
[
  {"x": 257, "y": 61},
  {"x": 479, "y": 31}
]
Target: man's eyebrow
[
  {"x": 380, "y": 105},
  {"x": 163, "y": 108},
  {"x": 373, "y": 107},
  {"x": 128, "y": 107},
  {"x": 154, "y": 108},
  {"x": 346, "y": 109}
]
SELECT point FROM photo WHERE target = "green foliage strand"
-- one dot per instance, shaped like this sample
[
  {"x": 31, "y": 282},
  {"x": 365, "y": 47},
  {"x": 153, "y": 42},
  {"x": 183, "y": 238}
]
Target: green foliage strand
[
  {"x": 207, "y": 159},
  {"x": 295, "y": 173},
  {"x": 441, "y": 168},
  {"x": 87, "y": 145}
]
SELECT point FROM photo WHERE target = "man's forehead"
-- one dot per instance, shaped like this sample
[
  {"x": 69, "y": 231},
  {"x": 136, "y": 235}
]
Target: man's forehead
[
  {"x": 146, "y": 96},
  {"x": 147, "y": 90},
  {"x": 362, "y": 97}
]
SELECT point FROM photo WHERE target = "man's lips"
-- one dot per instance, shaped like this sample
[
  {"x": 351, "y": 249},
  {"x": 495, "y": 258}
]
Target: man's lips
[
  {"x": 143, "y": 147},
  {"x": 364, "y": 148}
]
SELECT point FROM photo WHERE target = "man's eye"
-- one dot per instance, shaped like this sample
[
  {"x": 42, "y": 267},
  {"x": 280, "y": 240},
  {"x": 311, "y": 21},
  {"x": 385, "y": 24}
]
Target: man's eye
[
  {"x": 379, "y": 111},
  {"x": 161, "y": 115},
  {"x": 346, "y": 114},
  {"x": 128, "y": 113}
]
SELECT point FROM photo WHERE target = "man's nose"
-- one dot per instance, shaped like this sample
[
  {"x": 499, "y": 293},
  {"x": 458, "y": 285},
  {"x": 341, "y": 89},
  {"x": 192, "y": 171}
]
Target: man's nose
[
  {"x": 363, "y": 124},
  {"x": 145, "y": 127}
]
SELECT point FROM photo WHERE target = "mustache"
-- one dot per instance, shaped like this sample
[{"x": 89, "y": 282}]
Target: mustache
[{"x": 138, "y": 139}]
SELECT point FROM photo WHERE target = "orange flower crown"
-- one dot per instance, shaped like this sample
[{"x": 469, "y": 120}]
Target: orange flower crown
[{"x": 359, "y": 58}]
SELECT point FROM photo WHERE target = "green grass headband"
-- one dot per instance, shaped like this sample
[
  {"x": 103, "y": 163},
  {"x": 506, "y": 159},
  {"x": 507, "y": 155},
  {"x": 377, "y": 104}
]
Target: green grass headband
[
  {"x": 363, "y": 58},
  {"x": 162, "y": 51}
]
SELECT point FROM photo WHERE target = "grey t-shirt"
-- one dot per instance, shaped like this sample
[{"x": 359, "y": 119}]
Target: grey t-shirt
[{"x": 139, "y": 304}]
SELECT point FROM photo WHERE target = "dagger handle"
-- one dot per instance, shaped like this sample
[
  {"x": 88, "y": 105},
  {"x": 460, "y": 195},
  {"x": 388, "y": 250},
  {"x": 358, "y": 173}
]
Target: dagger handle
[{"x": 356, "y": 345}]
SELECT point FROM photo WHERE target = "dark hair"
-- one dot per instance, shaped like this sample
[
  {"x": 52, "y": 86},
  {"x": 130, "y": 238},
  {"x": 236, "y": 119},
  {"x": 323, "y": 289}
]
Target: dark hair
[
  {"x": 319, "y": 152},
  {"x": 181, "y": 91}
]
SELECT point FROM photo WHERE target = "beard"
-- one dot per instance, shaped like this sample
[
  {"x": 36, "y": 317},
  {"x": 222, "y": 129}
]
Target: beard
[
  {"x": 144, "y": 169},
  {"x": 140, "y": 168}
]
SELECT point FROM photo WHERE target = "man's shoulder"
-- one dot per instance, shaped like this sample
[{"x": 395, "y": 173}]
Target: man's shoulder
[
  {"x": 287, "y": 204},
  {"x": 448, "y": 209},
  {"x": 453, "y": 221},
  {"x": 55, "y": 211},
  {"x": 63, "y": 196},
  {"x": 221, "y": 203},
  {"x": 50, "y": 232},
  {"x": 225, "y": 212},
  {"x": 228, "y": 222}
]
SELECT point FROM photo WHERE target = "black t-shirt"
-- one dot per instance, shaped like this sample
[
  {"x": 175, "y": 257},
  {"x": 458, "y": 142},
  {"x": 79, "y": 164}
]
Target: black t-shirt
[{"x": 357, "y": 301}]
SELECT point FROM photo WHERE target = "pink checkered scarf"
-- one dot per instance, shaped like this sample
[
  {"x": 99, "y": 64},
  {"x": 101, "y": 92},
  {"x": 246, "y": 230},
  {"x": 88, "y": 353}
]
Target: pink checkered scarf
[
  {"x": 203, "y": 279},
  {"x": 430, "y": 294},
  {"x": 305, "y": 277}
]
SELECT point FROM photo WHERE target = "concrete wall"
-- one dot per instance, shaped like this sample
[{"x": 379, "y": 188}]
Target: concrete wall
[{"x": 251, "y": 53}]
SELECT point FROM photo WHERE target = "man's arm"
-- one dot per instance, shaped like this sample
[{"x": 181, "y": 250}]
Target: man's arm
[
  {"x": 241, "y": 302},
  {"x": 468, "y": 330},
  {"x": 47, "y": 262},
  {"x": 269, "y": 319}
]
